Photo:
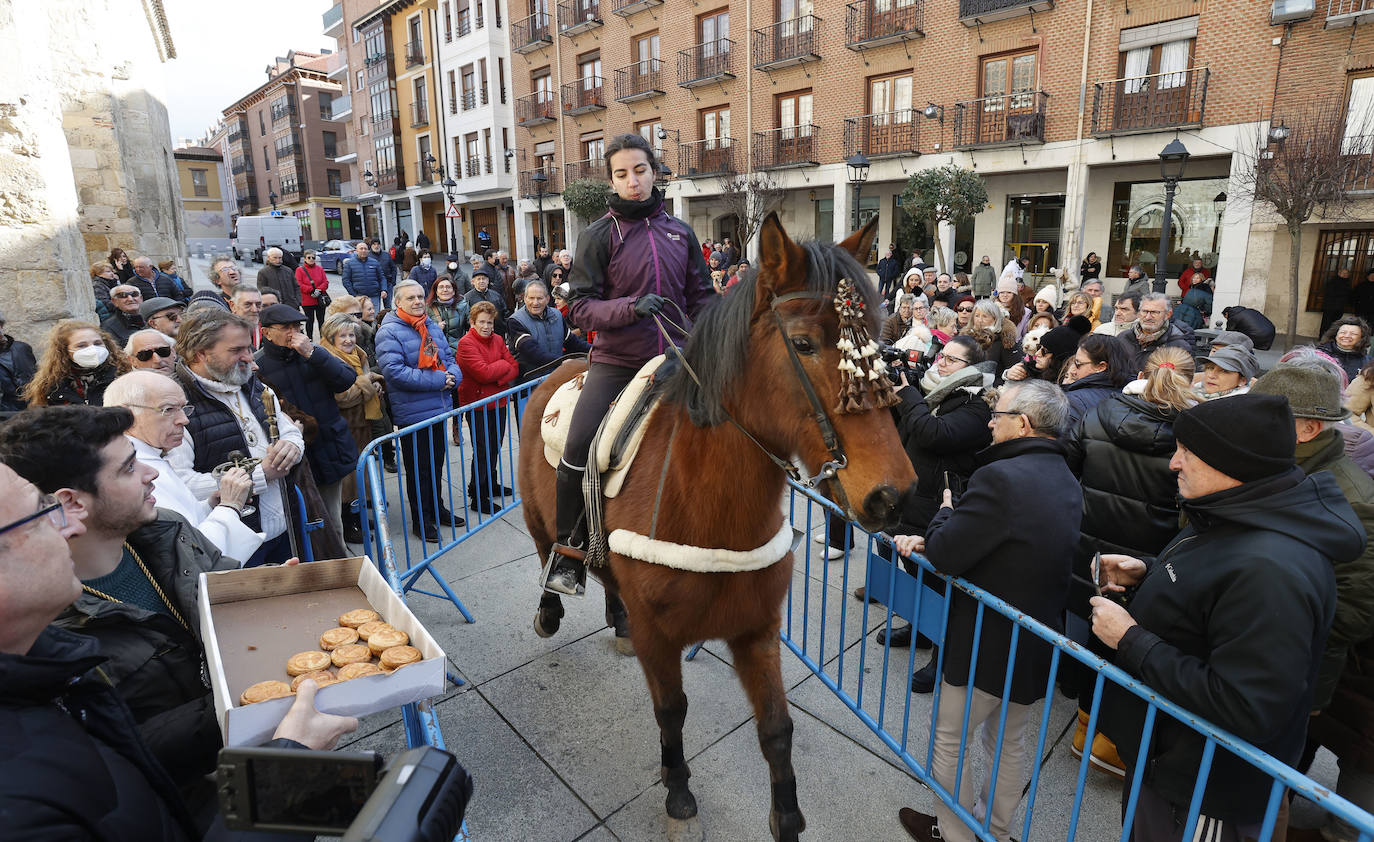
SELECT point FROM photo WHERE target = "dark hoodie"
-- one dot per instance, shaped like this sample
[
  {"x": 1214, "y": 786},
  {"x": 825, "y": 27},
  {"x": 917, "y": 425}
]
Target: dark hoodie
[{"x": 1232, "y": 619}]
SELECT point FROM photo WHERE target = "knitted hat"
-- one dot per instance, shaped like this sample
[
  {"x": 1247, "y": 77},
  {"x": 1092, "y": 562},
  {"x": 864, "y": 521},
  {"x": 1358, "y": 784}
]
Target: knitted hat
[
  {"x": 1061, "y": 341},
  {"x": 1311, "y": 392},
  {"x": 1006, "y": 283},
  {"x": 1235, "y": 358},
  {"x": 1049, "y": 293},
  {"x": 1233, "y": 337},
  {"x": 963, "y": 299},
  {"x": 1247, "y": 437}
]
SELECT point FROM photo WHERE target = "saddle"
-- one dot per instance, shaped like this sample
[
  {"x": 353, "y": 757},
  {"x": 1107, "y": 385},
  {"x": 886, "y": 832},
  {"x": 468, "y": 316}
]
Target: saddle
[{"x": 621, "y": 432}]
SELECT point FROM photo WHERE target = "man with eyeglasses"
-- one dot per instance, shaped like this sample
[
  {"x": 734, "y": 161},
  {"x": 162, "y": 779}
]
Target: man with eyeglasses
[
  {"x": 161, "y": 414},
  {"x": 1153, "y": 331},
  {"x": 224, "y": 274},
  {"x": 73, "y": 761},
  {"x": 151, "y": 350},
  {"x": 163, "y": 314},
  {"x": 247, "y": 302},
  {"x": 127, "y": 318}
]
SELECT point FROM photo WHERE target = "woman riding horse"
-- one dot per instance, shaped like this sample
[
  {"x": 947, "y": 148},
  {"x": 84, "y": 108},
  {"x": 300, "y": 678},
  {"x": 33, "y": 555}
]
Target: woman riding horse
[{"x": 630, "y": 263}]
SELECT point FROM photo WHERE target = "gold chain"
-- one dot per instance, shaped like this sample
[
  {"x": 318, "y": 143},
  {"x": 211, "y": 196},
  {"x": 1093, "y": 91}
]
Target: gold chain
[{"x": 141, "y": 566}]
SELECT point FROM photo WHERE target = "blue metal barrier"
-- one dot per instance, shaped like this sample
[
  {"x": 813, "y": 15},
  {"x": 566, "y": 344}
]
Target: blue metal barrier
[{"x": 917, "y": 598}]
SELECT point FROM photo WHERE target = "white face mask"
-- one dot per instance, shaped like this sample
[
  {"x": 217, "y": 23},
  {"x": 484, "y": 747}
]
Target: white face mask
[
  {"x": 425, "y": 261},
  {"x": 91, "y": 356}
]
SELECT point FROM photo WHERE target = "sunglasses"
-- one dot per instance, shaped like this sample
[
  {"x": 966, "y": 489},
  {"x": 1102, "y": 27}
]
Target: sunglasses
[
  {"x": 147, "y": 353},
  {"x": 127, "y": 295},
  {"x": 965, "y": 309}
]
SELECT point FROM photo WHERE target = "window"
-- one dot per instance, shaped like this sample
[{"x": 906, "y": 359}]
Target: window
[
  {"x": 360, "y": 86},
  {"x": 1009, "y": 82},
  {"x": 473, "y": 154},
  {"x": 381, "y": 95},
  {"x": 464, "y": 18},
  {"x": 385, "y": 147},
  {"x": 486, "y": 148},
  {"x": 478, "y": 6},
  {"x": 448, "y": 22},
  {"x": 888, "y": 94},
  {"x": 649, "y": 131},
  {"x": 542, "y": 85},
  {"x": 376, "y": 46},
  {"x": 423, "y": 148},
  {"x": 1170, "y": 59},
  {"x": 505, "y": 144},
  {"x": 333, "y": 224},
  {"x": 713, "y": 28},
  {"x": 589, "y": 70},
  {"x": 335, "y": 178},
  {"x": 646, "y": 49},
  {"x": 715, "y": 127},
  {"x": 421, "y": 101},
  {"x": 469, "y": 88},
  {"x": 452, "y": 92},
  {"x": 794, "y": 110},
  {"x": 501, "y": 75},
  {"x": 415, "y": 32},
  {"x": 795, "y": 141},
  {"x": 199, "y": 187},
  {"x": 266, "y": 159},
  {"x": 1359, "y": 117},
  {"x": 458, "y": 158},
  {"x": 790, "y": 9},
  {"x": 593, "y": 148},
  {"x": 1351, "y": 248},
  {"x": 262, "y": 124},
  {"x": 482, "y": 77},
  {"x": 326, "y": 105},
  {"x": 357, "y": 36},
  {"x": 331, "y": 144}
]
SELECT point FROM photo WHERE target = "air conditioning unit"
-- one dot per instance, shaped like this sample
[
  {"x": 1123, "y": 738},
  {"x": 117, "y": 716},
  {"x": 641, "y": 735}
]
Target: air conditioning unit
[{"x": 1290, "y": 11}]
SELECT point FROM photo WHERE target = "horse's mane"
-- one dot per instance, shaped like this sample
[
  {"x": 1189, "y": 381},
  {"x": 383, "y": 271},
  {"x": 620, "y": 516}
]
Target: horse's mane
[{"x": 718, "y": 346}]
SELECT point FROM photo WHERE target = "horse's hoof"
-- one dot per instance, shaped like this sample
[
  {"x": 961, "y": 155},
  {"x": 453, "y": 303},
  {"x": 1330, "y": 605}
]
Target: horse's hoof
[
  {"x": 680, "y": 804},
  {"x": 546, "y": 621},
  {"x": 786, "y": 827},
  {"x": 624, "y": 645}
]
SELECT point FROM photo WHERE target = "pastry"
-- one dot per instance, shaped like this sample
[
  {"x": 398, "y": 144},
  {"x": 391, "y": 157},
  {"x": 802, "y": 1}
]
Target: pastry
[
  {"x": 399, "y": 656},
  {"x": 337, "y": 636},
  {"x": 366, "y": 629},
  {"x": 383, "y": 639},
  {"x": 321, "y": 678},
  {"x": 264, "y": 690},
  {"x": 303, "y": 662},
  {"x": 350, "y": 653},
  {"x": 352, "y": 671},
  {"x": 358, "y": 616}
]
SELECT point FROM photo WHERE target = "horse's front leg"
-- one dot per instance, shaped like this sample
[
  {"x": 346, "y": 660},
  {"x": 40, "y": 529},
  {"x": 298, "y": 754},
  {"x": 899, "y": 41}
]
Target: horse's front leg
[
  {"x": 662, "y": 665},
  {"x": 759, "y": 670}
]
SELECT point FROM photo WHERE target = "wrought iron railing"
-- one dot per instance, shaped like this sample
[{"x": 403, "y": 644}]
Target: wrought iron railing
[
  {"x": 786, "y": 42},
  {"x": 1153, "y": 101},
  {"x": 576, "y": 16},
  {"x": 419, "y": 114},
  {"x": 1004, "y": 119},
  {"x": 535, "y": 108},
  {"x": 872, "y": 23},
  {"x": 590, "y": 168},
  {"x": 709, "y": 61},
  {"x": 583, "y": 96},
  {"x": 415, "y": 53},
  {"x": 531, "y": 33},
  {"x": 788, "y": 146},
  {"x": 640, "y": 80},
  {"x": 883, "y": 134},
  {"x": 530, "y": 187},
  {"x": 701, "y": 158}
]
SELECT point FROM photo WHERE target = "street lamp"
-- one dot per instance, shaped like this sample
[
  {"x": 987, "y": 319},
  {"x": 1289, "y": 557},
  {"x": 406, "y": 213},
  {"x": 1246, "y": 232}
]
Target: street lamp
[
  {"x": 369, "y": 178},
  {"x": 449, "y": 186},
  {"x": 1218, "y": 202},
  {"x": 858, "y": 174},
  {"x": 1172, "y": 159},
  {"x": 540, "y": 180},
  {"x": 272, "y": 197}
]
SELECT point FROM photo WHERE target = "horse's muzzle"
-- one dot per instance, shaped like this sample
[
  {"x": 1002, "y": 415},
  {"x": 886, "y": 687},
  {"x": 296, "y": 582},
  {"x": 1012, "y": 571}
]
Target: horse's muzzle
[{"x": 881, "y": 508}]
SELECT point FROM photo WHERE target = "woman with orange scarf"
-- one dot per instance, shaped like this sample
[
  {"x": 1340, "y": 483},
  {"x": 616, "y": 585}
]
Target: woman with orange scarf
[
  {"x": 360, "y": 405},
  {"x": 421, "y": 374}
]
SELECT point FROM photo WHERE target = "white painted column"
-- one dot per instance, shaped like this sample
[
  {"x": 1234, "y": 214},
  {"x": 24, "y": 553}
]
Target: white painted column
[
  {"x": 524, "y": 230},
  {"x": 417, "y": 216},
  {"x": 843, "y": 220},
  {"x": 1072, "y": 250},
  {"x": 387, "y": 214},
  {"x": 1235, "y": 241},
  {"x": 945, "y": 232}
]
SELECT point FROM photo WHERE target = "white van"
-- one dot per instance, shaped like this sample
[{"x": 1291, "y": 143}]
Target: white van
[{"x": 253, "y": 234}]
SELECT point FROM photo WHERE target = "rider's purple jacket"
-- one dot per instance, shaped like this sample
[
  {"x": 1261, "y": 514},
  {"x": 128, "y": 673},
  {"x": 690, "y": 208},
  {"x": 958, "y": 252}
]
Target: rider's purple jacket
[{"x": 635, "y": 249}]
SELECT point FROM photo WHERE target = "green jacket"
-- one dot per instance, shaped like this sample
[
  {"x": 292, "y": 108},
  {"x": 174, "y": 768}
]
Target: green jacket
[
  {"x": 1354, "y": 621},
  {"x": 453, "y": 318}
]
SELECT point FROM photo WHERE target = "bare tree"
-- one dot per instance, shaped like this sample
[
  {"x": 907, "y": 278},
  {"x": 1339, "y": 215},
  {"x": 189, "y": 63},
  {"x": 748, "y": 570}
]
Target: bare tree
[
  {"x": 750, "y": 197},
  {"x": 1311, "y": 173}
]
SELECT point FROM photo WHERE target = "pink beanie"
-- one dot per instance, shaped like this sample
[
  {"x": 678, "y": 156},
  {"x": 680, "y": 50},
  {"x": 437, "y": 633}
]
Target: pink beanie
[{"x": 1006, "y": 283}]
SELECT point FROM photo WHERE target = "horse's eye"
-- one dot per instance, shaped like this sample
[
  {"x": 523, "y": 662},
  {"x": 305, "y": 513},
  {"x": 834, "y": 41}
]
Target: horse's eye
[{"x": 803, "y": 345}]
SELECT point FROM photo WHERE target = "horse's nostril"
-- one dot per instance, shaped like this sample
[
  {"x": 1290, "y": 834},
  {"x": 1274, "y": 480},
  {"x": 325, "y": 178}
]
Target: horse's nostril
[{"x": 881, "y": 504}]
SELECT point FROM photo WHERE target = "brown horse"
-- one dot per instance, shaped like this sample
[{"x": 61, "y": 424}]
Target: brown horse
[{"x": 721, "y": 490}]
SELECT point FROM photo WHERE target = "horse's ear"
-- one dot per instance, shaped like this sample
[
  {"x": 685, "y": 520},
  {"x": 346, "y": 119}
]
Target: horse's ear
[
  {"x": 860, "y": 243},
  {"x": 779, "y": 257}
]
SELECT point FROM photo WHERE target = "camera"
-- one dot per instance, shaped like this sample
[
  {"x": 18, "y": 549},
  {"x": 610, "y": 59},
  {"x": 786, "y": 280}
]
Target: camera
[
  {"x": 911, "y": 363},
  {"x": 421, "y": 796}
]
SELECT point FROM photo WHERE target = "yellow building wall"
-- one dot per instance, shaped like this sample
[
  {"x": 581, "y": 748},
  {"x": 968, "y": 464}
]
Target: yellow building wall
[
  {"x": 212, "y": 182},
  {"x": 405, "y": 94}
]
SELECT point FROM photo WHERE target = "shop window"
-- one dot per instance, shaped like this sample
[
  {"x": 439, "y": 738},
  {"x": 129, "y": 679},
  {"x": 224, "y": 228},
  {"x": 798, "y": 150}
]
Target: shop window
[{"x": 1351, "y": 248}]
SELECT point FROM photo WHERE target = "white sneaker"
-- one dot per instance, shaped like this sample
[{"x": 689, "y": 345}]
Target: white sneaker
[
  {"x": 820, "y": 537},
  {"x": 833, "y": 553}
]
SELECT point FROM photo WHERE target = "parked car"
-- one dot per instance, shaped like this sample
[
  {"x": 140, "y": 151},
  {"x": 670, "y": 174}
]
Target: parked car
[{"x": 332, "y": 255}]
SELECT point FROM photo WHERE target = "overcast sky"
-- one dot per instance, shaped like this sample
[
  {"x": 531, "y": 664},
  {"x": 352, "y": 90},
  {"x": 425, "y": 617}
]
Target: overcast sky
[{"x": 223, "y": 48}]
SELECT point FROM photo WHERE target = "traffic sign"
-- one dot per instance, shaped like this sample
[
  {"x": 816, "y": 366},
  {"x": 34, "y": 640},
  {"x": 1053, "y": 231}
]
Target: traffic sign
[{"x": 452, "y": 212}]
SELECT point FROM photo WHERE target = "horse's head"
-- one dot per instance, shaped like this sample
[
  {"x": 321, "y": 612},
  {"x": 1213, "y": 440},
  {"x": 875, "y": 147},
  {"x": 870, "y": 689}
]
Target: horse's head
[{"x": 822, "y": 389}]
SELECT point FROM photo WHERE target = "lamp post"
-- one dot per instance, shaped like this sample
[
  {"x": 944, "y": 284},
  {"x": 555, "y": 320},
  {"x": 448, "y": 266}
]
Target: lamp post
[
  {"x": 1218, "y": 202},
  {"x": 540, "y": 180},
  {"x": 858, "y": 174},
  {"x": 449, "y": 186},
  {"x": 272, "y": 197},
  {"x": 1172, "y": 159}
]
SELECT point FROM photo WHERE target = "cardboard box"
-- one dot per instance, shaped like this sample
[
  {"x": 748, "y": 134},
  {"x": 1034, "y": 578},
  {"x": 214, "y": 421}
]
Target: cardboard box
[{"x": 253, "y": 619}]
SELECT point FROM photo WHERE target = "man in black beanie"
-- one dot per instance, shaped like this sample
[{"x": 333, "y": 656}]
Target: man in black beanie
[{"x": 1230, "y": 620}]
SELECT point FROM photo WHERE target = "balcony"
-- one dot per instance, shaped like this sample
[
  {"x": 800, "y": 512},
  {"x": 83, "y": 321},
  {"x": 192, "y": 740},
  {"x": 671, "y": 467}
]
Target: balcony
[
  {"x": 639, "y": 81},
  {"x": 468, "y": 100},
  {"x": 389, "y": 179},
  {"x": 238, "y": 166},
  {"x": 530, "y": 34},
  {"x": 702, "y": 158},
  {"x": 341, "y": 108},
  {"x": 1003, "y": 120},
  {"x": 590, "y": 168},
  {"x": 1148, "y": 103},
  {"x": 464, "y": 26},
  {"x": 787, "y": 43},
  {"x": 237, "y": 133},
  {"x": 535, "y": 109},
  {"x": 419, "y": 115},
  {"x": 583, "y": 96},
  {"x": 577, "y": 16},
  {"x": 248, "y": 204},
  {"x": 415, "y": 53},
  {"x": 883, "y": 135},
  {"x": 1341, "y": 13},
  {"x": 343, "y": 151},
  {"x": 705, "y": 63},
  {"x": 422, "y": 174},
  {"x": 625, "y": 8},
  {"x": 380, "y": 117},
  {"x": 529, "y": 188},
  {"x": 291, "y": 191},
  {"x": 333, "y": 22},
  {"x": 282, "y": 115},
  {"x": 476, "y": 164},
  {"x": 376, "y": 59},
  {"x": 973, "y": 12},
  {"x": 789, "y": 146},
  {"x": 869, "y": 24}
]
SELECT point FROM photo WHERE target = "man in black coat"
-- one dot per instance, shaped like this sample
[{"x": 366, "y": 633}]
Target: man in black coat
[
  {"x": 1253, "y": 324},
  {"x": 17, "y": 366},
  {"x": 309, "y": 376},
  {"x": 1153, "y": 330},
  {"x": 1335, "y": 297},
  {"x": 127, "y": 318},
  {"x": 1028, "y": 567},
  {"x": 1230, "y": 621}
]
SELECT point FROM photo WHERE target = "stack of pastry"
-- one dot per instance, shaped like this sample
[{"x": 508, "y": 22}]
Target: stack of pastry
[{"x": 340, "y": 647}]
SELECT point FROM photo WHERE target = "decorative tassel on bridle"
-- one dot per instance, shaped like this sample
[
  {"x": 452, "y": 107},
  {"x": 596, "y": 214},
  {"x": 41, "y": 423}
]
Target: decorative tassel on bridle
[{"x": 863, "y": 374}]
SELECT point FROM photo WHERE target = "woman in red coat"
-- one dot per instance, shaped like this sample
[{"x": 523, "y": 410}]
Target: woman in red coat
[
  {"x": 311, "y": 279},
  {"x": 488, "y": 368}
]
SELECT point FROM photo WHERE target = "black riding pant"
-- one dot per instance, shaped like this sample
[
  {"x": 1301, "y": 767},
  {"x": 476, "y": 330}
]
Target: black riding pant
[{"x": 604, "y": 382}]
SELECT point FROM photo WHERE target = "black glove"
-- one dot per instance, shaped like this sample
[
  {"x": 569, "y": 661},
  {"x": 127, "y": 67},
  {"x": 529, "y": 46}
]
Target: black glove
[{"x": 647, "y": 304}]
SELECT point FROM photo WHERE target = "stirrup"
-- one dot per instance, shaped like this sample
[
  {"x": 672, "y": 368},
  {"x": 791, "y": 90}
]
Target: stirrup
[{"x": 579, "y": 583}]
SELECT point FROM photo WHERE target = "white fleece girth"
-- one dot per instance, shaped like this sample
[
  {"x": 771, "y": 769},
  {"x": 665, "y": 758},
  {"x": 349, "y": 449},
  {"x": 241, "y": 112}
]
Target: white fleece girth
[{"x": 702, "y": 559}]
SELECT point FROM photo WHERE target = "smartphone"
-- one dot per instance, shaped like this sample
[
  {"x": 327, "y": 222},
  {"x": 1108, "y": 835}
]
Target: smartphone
[
  {"x": 1099, "y": 575},
  {"x": 295, "y": 791}
]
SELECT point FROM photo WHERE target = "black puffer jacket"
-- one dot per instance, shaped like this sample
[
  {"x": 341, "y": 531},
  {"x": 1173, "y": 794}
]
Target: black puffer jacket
[
  {"x": 1351, "y": 361},
  {"x": 17, "y": 367},
  {"x": 155, "y": 664},
  {"x": 87, "y": 392},
  {"x": 310, "y": 384},
  {"x": 1231, "y": 624},
  {"x": 1086, "y": 393},
  {"x": 941, "y": 440},
  {"x": 1253, "y": 324},
  {"x": 1121, "y": 454},
  {"x": 71, "y": 764}
]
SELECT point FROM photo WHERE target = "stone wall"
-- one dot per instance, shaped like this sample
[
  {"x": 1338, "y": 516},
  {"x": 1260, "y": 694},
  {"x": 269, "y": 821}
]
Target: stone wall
[{"x": 85, "y": 152}]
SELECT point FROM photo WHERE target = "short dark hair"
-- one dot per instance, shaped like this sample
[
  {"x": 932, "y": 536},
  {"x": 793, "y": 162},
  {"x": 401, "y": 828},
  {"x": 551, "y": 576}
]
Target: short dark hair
[
  {"x": 630, "y": 141},
  {"x": 59, "y": 446},
  {"x": 975, "y": 351},
  {"x": 1101, "y": 348},
  {"x": 1133, "y": 297}
]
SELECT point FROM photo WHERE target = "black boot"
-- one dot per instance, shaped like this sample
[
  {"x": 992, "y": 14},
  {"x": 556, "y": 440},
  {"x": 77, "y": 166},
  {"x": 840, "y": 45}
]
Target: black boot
[
  {"x": 352, "y": 524},
  {"x": 923, "y": 679},
  {"x": 388, "y": 449},
  {"x": 566, "y": 561}
]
